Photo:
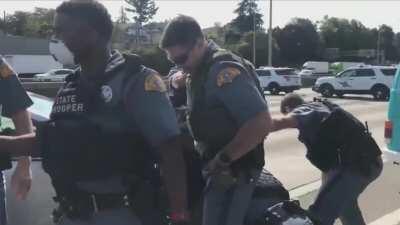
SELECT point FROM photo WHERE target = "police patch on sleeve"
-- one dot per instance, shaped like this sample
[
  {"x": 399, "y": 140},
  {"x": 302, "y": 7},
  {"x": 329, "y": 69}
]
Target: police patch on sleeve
[
  {"x": 5, "y": 70},
  {"x": 227, "y": 75},
  {"x": 154, "y": 82}
]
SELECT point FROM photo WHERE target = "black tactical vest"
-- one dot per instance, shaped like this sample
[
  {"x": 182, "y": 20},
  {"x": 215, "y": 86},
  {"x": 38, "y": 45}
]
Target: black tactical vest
[
  {"x": 87, "y": 137},
  {"x": 341, "y": 140},
  {"x": 214, "y": 128}
]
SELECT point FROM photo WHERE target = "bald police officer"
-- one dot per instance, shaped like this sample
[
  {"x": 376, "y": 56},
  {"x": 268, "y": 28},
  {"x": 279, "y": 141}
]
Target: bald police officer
[
  {"x": 110, "y": 123},
  {"x": 228, "y": 117},
  {"x": 14, "y": 101}
]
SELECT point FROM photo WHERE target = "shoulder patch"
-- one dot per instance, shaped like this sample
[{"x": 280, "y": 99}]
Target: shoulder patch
[
  {"x": 154, "y": 82},
  {"x": 5, "y": 70},
  {"x": 227, "y": 75}
]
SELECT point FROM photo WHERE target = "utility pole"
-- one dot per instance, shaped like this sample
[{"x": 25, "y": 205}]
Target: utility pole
[
  {"x": 378, "y": 46},
  {"x": 270, "y": 35},
  {"x": 254, "y": 37},
  {"x": 4, "y": 20}
]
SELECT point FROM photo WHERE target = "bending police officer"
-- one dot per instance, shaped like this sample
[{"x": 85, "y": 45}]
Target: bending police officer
[
  {"x": 228, "y": 118},
  {"x": 109, "y": 122},
  {"x": 341, "y": 147}
]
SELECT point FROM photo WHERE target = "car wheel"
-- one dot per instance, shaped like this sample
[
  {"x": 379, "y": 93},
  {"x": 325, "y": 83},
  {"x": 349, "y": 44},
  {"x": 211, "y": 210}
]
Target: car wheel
[
  {"x": 274, "y": 89},
  {"x": 326, "y": 91},
  {"x": 288, "y": 91},
  {"x": 380, "y": 93},
  {"x": 340, "y": 95}
]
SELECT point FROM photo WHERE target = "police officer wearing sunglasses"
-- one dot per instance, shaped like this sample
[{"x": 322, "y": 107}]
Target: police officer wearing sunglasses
[{"x": 228, "y": 117}]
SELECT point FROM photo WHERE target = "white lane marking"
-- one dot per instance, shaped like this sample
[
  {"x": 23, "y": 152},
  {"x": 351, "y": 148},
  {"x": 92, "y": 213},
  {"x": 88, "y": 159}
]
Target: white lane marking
[
  {"x": 298, "y": 192},
  {"x": 392, "y": 218}
]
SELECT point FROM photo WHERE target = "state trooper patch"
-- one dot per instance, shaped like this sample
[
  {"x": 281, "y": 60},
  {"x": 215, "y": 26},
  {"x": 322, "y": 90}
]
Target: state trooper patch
[
  {"x": 106, "y": 93},
  {"x": 227, "y": 75},
  {"x": 154, "y": 82},
  {"x": 5, "y": 70}
]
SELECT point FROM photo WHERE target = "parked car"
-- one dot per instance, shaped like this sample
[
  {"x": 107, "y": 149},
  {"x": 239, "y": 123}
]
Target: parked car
[
  {"x": 275, "y": 80},
  {"x": 54, "y": 75},
  {"x": 371, "y": 80},
  {"x": 36, "y": 210}
]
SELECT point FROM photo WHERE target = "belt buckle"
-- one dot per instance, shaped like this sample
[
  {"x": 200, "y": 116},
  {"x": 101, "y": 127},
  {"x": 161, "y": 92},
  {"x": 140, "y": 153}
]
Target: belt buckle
[{"x": 94, "y": 203}]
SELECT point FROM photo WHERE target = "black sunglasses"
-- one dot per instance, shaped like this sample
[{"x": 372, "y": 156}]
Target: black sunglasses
[{"x": 180, "y": 60}]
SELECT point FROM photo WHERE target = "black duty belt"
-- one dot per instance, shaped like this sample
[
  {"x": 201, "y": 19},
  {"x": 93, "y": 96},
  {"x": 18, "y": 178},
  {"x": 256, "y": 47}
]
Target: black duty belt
[{"x": 86, "y": 205}]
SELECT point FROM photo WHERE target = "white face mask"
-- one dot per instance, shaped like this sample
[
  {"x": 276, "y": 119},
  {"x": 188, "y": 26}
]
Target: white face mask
[{"x": 61, "y": 53}]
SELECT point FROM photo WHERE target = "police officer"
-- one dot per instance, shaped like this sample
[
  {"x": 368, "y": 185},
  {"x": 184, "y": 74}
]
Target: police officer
[
  {"x": 110, "y": 122},
  {"x": 341, "y": 147},
  {"x": 228, "y": 118},
  {"x": 13, "y": 103}
]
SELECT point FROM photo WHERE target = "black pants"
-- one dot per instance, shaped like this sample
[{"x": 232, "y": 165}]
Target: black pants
[{"x": 338, "y": 195}]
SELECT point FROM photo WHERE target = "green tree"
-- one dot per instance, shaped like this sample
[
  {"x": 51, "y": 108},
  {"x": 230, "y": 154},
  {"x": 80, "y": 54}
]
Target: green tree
[
  {"x": 249, "y": 17},
  {"x": 31, "y": 24},
  {"x": 143, "y": 11},
  {"x": 387, "y": 42},
  {"x": 123, "y": 18},
  {"x": 336, "y": 33},
  {"x": 232, "y": 36},
  {"x": 16, "y": 23},
  {"x": 245, "y": 48},
  {"x": 397, "y": 46},
  {"x": 40, "y": 23},
  {"x": 298, "y": 41},
  {"x": 346, "y": 35}
]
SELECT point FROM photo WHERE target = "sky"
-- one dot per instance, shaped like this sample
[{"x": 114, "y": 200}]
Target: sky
[{"x": 371, "y": 13}]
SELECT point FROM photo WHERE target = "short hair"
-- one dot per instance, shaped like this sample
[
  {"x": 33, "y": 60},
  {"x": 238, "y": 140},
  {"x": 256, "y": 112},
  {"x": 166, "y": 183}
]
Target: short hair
[
  {"x": 182, "y": 30},
  {"x": 91, "y": 11},
  {"x": 292, "y": 101}
]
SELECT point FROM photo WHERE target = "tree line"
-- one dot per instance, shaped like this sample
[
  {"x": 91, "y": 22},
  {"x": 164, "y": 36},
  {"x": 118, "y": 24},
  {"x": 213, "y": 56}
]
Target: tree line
[{"x": 298, "y": 41}]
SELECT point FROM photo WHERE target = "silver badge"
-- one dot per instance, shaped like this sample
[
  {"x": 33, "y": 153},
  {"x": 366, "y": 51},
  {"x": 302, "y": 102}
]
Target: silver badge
[{"x": 107, "y": 93}]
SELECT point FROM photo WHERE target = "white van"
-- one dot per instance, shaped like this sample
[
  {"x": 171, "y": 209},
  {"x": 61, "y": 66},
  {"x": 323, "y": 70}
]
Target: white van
[{"x": 314, "y": 67}]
